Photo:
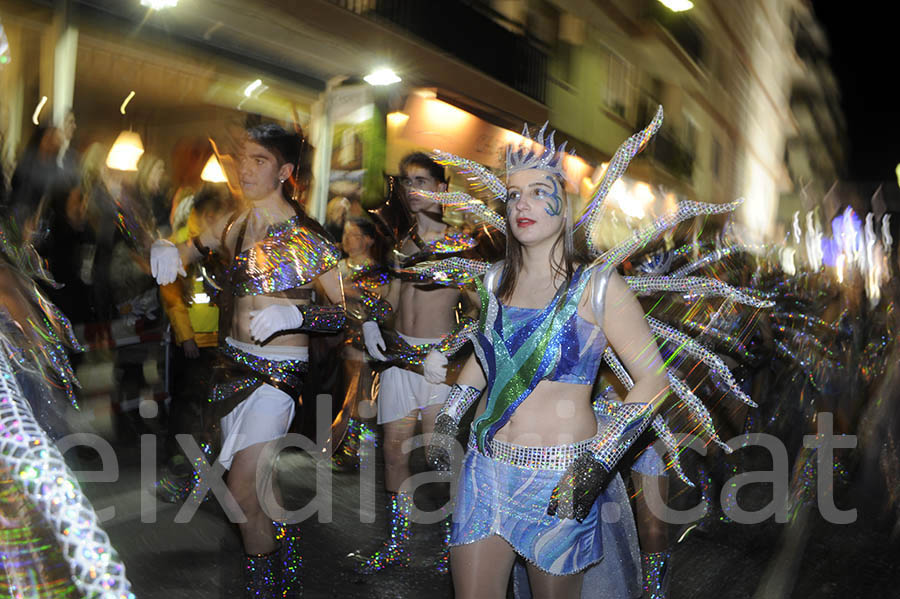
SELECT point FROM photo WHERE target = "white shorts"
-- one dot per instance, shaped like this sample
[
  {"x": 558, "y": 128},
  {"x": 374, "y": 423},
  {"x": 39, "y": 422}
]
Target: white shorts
[
  {"x": 266, "y": 414},
  {"x": 402, "y": 392}
]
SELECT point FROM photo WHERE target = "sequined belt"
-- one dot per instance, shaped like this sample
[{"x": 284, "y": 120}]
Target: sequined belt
[
  {"x": 248, "y": 371},
  {"x": 553, "y": 457}
]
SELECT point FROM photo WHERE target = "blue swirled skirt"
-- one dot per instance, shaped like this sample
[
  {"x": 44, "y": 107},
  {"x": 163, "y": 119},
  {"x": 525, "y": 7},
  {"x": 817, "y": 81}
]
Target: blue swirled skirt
[{"x": 499, "y": 498}]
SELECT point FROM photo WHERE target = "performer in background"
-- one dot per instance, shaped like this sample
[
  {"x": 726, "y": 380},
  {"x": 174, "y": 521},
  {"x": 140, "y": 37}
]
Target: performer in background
[
  {"x": 365, "y": 280},
  {"x": 279, "y": 256},
  {"x": 428, "y": 329}
]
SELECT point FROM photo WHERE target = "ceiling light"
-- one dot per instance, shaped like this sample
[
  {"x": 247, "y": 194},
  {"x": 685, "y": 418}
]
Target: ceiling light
[
  {"x": 213, "y": 172},
  {"x": 126, "y": 152},
  {"x": 678, "y": 5},
  {"x": 159, "y": 4},
  {"x": 397, "y": 118},
  {"x": 252, "y": 87},
  {"x": 382, "y": 77}
]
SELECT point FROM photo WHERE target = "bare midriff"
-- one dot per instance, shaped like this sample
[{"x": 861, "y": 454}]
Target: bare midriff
[
  {"x": 553, "y": 414},
  {"x": 426, "y": 311}
]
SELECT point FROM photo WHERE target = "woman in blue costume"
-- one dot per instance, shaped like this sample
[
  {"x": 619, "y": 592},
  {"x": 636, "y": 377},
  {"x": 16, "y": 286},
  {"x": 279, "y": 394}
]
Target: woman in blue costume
[
  {"x": 538, "y": 459},
  {"x": 536, "y": 480}
]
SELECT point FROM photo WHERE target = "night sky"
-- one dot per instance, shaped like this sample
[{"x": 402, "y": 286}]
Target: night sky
[{"x": 865, "y": 57}]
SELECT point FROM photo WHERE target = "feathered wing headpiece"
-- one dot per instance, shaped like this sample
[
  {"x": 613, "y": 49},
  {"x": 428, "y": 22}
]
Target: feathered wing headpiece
[{"x": 542, "y": 153}]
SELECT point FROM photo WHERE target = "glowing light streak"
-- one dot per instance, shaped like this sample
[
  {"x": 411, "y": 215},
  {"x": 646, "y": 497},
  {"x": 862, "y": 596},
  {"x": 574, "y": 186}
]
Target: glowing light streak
[
  {"x": 38, "y": 109},
  {"x": 126, "y": 101}
]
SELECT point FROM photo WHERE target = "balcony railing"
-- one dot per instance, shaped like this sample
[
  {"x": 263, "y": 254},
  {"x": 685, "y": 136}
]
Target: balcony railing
[{"x": 467, "y": 33}]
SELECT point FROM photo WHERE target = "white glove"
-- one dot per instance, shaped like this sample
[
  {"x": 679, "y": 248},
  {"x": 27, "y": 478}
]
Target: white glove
[
  {"x": 273, "y": 319},
  {"x": 373, "y": 340},
  {"x": 165, "y": 262},
  {"x": 435, "y": 367}
]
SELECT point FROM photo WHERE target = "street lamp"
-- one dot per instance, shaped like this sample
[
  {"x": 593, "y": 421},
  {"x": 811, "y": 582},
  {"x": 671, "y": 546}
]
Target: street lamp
[
  {"x": 159, "y": 4},
  {"x": 677, "y": 5},
  {"x": 383, "y": 76}
]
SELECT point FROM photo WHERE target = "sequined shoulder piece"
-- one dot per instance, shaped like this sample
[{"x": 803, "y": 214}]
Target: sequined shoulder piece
[
  {"x": 289, "y": 256},
  {"x": 453, "y": 241},
  {"x": 369, "y": 277}
]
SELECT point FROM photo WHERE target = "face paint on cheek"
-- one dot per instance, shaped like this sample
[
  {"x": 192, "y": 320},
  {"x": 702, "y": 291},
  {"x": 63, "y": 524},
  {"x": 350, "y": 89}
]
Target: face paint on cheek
[{"x": 554, "y": 201}]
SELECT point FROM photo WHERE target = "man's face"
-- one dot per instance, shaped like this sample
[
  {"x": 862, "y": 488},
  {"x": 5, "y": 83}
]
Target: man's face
[
  {"x": 417, "y": 177},
  {"x": 259, "y": 171},
  {"x": 355, "y": 242}
]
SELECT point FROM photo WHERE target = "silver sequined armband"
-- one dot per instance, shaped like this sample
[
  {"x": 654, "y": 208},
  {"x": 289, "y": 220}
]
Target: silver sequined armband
[
  {"x": 459, "y": 401},
  {"x": 628, "y": 422}
]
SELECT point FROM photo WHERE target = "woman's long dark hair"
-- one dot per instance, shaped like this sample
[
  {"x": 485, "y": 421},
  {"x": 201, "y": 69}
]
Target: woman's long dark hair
[{"x": 564, "y": 267}]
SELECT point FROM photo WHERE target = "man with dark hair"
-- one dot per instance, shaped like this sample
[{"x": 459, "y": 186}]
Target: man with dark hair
[
  {"x": 278, "y": 255},
  {"x": 411, "y": 167},
  {"x": 425, "y": 317}
]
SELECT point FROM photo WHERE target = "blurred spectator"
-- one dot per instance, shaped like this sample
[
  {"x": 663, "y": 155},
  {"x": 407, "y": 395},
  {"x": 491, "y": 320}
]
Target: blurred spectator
[
  {"x": 69, "y": 249},
  {"x": 152, "y": 189},
  {"x": 188, "y": 158},
  {"x": 101, "y": 215},
  {"x": 335, "y": 215},
  {"x": 35, "y": 173},
  {"x": 66, "y": 158},
  {"x": 195, "y": 324}
]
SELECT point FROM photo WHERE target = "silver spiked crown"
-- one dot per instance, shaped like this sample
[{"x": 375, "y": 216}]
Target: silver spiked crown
[{"x": 541, "y": 153}]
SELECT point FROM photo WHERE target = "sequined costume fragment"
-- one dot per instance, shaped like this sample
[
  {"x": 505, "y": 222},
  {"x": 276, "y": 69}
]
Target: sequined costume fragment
[
  {"x": 289, "y": 256},
  {"x": 454, "y": 270},
  {"x": 38, "y": 469},
  {"x": 241, "y": 372}
]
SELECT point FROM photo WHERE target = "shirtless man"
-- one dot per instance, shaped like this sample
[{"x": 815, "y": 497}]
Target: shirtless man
[
  {"x": 279, "y": 256},
  {"x": 425, "y": 313}
]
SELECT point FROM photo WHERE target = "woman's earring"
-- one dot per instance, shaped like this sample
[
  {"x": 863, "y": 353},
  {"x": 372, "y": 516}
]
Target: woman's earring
[{"x": 281, "y": 180}]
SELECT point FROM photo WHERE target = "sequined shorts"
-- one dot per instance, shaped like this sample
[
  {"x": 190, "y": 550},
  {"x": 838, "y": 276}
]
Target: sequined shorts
[{"x": 507, "y": 495}]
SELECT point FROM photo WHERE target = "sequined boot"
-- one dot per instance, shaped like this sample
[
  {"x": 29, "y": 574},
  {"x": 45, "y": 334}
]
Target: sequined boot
[
  {"x": 394, "y": 551},
  {"x": 180, "y": 478},
  {"x": 346, "y": 458},
  {"x": 262, "y": 575},
  {"x": 442, "y": 563},
  {"x": 291, "y": 560},
  {"x": 656, "y": 574}
]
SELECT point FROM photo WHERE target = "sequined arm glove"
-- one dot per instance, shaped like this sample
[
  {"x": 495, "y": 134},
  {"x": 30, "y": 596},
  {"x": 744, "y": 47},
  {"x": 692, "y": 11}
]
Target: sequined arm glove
[
  {"x": 322, "y": 319},
  {"x": 446, "y": 426},
  {"x": 309, "y": 318},
  {"x": 589, "y": 474},
  {"x": 578, "y": 488}
]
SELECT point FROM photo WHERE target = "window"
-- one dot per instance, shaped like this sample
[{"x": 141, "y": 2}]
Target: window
[{"x": 619, "y": 88}]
